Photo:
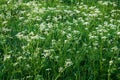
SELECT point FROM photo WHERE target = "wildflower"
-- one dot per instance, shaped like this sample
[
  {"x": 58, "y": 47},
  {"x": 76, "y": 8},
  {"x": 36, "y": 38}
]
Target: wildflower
[
  {"x": 46, "y": 53},
  {"x": 31, "y": 33},
  {"x": 104, "y": 37},
  {"x": 19, "y": 35},
  {"x": 15, "y": 64},
  {"x": 21, "y": 18},
  {"x": 93, "y": 37},
  {"x": 5, "y": 22},
  {"x": 35, "y": 37},
  {"x": 77, "y": 11},
  {"x": 61, "y": 69},
  {"x": 48, "y": 69},
  {"x": 55, "y": 19},
  {"x": 95, "y": 43},
  {"x": 19, "y": 58},
  {"x": 27, "y": 65},
  {"x": 103, "y": 59},
  {"x": 6, "y": 57},
  {"x": 65, "y": 41},
  {"x": 68, "y": 63},
  {"x": 110, "y": 62},
  {"x": 115, "y": 48},
  {"x": 76, "y": 31},
  {"x": 53, "y": 42},
  {"x": 69, "y": 36},
  {"x": 86, "y": 23},
  {"x": 118, "y": 59},
  {"x": 118, "y": 21},
  {"x": 118, "y": 33}
]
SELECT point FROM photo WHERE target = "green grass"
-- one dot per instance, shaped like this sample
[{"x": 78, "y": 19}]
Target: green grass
[{"x": 59, "y": 40}]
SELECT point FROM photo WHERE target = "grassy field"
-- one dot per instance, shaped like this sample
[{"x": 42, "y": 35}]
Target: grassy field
[{"x": 59, "y": 40}]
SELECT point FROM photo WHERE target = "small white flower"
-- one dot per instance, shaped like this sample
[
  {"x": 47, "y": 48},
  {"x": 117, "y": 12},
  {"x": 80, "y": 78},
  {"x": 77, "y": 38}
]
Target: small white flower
[
  {"x": 6, "y": 29},
  {"x": 48, "y": 69},
  {"x": 6, "y": 57},
  {"x": 76, "y": 31},
  {"x": 65, "y": 41},
  {"x": 118, "y": 33},
  {"x": 31, "y": 33},
  {"x": 118, "y": 59},
  {"x": 114, "y": 48},
  {"x": 110, "y": 62},
  {"x": 103, "y": 59},
  {"x": 104, "y": 37},
  {"x": 35, "y": 37},
  {"x": 4, "y": 22},
  {"x": 19, "y": 35},
  {"x": 69, "y": 36},
  {"x": 61, "y": 69},
  {"x": 95, "y": 43},
  {"x": 68, "y": 63},
  {"x": 14, "y": 64},
  {"x": 20, "y": 57},
  {"x": 46, "y": 53},
  {"x": 86, "y": 23}
]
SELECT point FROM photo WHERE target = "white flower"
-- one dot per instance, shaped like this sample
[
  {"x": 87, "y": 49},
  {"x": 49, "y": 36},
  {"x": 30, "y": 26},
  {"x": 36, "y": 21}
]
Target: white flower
[
  {"x": 114, "y": 48},
  {"x": 103, "y": 59},
  {"x": 55, "y": 19},
  {"x": 105, "y": 3},
  {"x": 61, "y": 69},
  {"x": 21, "y": 18},
  {"x": 110, "y": 62},
  {"x": 4, "y": 22},
  {"x": 104, "y": 37},
  {"x": 76, "y": 31},
  {"x": 95, "y": 43},
  {"x": 53, "y": 42},
  {"x": 46, "y": 53},
  {"x": 69, "y": 36},
  {"x": 65, "y": 41},
  {"x": 35, "y": 37},
  {"x": 118, "y": 59},
  {"x": 86, "y": 23},
  {"x": 6, "y": 29},
  {"x": 93, "y": 37},
  {"x": 14, "y": 64},
  {"x": 48, "y": 69},
  {"x": 118, "y": 33},
  {"x": 6, "y": 57},
  {"x": 68, "y": 63},
  {"x": 77, "y": 11},
  {"x": 31, "y": 33},
  {"x": 19, "y": 58}
]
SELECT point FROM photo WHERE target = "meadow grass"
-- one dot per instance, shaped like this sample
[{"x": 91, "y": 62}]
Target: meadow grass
[{"x": 59, "y": 40}]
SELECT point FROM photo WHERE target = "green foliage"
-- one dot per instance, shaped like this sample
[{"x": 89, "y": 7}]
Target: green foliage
[{"x": 59, "y": 40}]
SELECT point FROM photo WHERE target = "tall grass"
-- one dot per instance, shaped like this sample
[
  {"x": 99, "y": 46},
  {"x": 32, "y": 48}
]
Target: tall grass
[{"x": 59, "y": 40}]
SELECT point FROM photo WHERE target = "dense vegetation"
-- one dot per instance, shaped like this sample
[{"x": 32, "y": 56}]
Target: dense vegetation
[{"x": 59, "y": 40}]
